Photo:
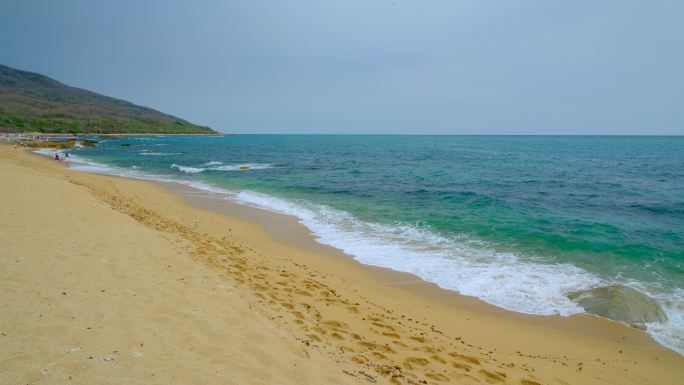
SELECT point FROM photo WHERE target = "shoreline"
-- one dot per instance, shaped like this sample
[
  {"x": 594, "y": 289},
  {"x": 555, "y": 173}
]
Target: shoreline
[
  {"x": 354, "y": 316},
  {"x": 288, "y": 230}
]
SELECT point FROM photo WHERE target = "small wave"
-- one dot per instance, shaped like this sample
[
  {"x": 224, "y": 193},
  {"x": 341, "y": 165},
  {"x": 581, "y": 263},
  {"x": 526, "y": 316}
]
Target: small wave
[
  {"x": 159, "y": 153},
  {"x": 228, "y": 167},
  {"x": 207, "y": 187},
  {"x": 238, "y": 167},
  {"x": 213, "y": 163},
  {"x": 189, "y": 170}
]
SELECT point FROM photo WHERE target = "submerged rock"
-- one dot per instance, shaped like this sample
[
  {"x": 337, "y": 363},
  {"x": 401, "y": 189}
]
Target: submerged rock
[{"x": 620, "y": 303}]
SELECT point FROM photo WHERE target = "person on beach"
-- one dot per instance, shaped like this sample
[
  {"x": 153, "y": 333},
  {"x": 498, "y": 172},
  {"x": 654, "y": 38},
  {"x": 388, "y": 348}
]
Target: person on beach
[
  {"x": 56, "y": 155},
  {"x": 66, "y": 156}
]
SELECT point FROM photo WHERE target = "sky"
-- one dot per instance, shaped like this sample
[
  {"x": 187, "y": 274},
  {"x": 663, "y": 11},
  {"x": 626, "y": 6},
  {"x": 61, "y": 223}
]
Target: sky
[{"x": 368, "y": 66}]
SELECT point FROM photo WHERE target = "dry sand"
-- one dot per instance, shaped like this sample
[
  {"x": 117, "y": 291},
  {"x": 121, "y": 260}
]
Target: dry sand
[{"x": 106, "y": 280}]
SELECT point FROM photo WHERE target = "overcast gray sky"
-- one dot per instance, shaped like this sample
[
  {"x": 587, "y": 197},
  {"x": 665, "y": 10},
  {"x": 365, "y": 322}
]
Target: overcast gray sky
[{"x": 369, "y": 66}]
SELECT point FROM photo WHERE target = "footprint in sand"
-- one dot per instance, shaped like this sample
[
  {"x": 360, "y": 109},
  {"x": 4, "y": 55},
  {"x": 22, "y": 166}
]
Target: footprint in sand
[
  {"x": 410, "y": 361},
  {"x": 465, "y": 358},
  {"x": 493, "y": 377}
]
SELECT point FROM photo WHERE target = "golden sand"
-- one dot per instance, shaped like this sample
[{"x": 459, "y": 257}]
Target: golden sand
[{"x": 112, "y": 281}]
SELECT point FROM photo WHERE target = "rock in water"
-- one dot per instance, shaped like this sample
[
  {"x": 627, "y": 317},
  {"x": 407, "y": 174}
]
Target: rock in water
[{"x": 620, "y": 303}]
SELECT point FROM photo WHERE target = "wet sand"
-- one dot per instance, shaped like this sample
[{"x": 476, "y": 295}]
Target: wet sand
[{"x": 110, "y": 280}]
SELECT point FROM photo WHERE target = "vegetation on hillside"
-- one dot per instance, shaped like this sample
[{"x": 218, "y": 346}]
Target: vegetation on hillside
[
  {"x": 73, "y": 125},
  {"x": 34, "y": 102}
]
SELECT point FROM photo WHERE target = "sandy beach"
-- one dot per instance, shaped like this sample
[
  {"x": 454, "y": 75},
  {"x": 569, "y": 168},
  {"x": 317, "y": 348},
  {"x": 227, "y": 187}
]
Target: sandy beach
[{"x": 108, "y": 280}]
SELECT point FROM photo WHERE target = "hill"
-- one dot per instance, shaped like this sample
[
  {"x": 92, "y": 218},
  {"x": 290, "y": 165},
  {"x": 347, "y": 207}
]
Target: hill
[{"x": 34, "y": 102}]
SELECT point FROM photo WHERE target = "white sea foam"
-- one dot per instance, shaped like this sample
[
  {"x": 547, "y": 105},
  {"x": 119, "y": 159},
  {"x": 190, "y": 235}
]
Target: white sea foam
[
  {"x": 218, "y": 166},
  {"x": 159, "y": 153},
  {"x": 208, "y": 188},
  {"x": 237, "y": 167},
  {"x": 187, "y": 169},
  {"x": 670, "y": 333},
  {"x": 79, "y": 163}
]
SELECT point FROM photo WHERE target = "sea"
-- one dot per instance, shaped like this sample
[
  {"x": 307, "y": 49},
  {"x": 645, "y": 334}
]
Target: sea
[{"x": 517, "y": 221}]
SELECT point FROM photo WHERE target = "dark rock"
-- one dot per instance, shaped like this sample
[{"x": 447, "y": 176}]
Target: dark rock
[{"x": 620, "y": 303}]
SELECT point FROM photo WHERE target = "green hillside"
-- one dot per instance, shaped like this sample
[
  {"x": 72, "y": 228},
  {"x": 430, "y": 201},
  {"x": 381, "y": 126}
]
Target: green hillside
[{"x": 34, "y": 102}]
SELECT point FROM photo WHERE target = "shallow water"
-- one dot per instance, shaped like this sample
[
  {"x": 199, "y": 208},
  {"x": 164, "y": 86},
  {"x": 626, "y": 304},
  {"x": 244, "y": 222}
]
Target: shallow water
[{"x": 515, "y": 221}]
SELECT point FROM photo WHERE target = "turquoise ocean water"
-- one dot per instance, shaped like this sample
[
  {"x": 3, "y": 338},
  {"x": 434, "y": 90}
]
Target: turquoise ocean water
[{"x": 517, "y": 221}]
